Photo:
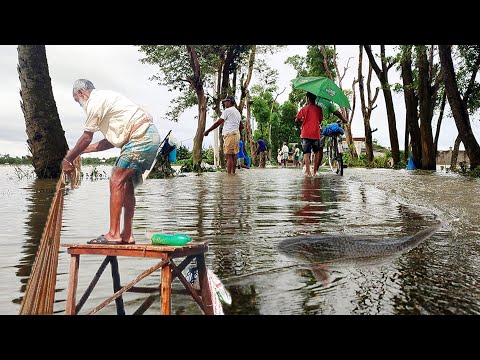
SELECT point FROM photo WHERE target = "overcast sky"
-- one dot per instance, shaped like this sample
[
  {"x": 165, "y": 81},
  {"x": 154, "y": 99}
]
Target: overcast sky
[{"x": 117, "y": 67}]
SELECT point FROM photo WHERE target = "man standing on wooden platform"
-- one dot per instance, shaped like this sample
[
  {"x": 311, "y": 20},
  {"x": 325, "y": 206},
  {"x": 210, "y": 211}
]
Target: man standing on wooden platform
[{"x": 127, "y": 126}]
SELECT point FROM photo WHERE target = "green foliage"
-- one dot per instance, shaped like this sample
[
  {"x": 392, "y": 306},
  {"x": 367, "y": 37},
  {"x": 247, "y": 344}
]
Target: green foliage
[
  {"x": 183, "y": 153},
  {"x": 208, "y": 155},
  {"x": 310, "y": 65},
  {"x": 284, "y": 127},
  {"x": 468, "y": 55},
  {"x": 6, "y": 159},
  {"x": 315, "y": 61},
  {"x": 162, "y": 169},
  {"x": 261, "y": 111},
  {"x": 92, "y": 161}
]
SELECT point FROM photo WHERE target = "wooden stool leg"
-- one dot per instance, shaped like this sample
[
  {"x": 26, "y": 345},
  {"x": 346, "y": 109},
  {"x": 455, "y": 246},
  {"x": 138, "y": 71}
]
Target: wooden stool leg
[
  {"x": 72, "y": 284},
  {"x": 166, "y": 290},
  {"x": 204, "y": 286},
  {"x": 116, "y": 285}
]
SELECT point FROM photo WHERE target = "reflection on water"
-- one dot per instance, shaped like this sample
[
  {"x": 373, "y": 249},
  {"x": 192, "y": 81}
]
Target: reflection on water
[
  {"x": 244, "y": 217},
  {"x": 39, "y": 195}
]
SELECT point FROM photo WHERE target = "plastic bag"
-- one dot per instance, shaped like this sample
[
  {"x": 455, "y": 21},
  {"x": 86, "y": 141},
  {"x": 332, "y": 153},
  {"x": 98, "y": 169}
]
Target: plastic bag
[{"x": 218, "y": 292}]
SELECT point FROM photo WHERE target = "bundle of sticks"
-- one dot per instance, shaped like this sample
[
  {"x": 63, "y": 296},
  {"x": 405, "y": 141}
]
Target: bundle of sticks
[{"x": 39, "y": 295}]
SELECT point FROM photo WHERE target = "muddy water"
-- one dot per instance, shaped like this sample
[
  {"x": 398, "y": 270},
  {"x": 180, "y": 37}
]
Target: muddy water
[{"x": 244, "y": 217}]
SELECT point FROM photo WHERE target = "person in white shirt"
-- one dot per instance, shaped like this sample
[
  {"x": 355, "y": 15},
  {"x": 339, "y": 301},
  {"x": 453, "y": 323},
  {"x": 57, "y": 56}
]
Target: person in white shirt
[
  {"x": 284, "y": 154},
  {"x": 231, "y": 131},
  {"x": 127, "y": 126}
]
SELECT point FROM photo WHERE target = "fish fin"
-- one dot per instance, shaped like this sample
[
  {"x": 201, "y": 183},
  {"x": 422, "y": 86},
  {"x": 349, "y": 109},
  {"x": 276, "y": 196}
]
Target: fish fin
[{"x": 320, "y": 272}]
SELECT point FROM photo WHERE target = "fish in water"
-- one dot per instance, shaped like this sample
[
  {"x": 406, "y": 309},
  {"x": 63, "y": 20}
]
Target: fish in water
[{"x": 320, "y": 250}]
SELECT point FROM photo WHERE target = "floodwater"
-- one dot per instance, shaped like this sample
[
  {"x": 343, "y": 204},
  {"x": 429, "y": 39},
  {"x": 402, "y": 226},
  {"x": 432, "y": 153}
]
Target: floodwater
[{"x": 244, "y": 217}]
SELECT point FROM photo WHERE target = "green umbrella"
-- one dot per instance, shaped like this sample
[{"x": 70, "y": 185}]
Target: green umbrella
[{"x": 322, "y": 87}]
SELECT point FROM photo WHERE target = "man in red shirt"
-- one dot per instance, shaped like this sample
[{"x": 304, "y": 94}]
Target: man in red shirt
[{"x": 310, "y": 117}]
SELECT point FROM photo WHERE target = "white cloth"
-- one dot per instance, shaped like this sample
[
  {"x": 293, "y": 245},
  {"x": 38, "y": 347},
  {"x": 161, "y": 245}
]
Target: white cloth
[
  {"x": 114, "y": 115},
  {"x": 232, "y": 118}
]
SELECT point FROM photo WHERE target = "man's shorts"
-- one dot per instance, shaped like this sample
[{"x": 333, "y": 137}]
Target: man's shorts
[
  {"x": 310, "y": 144},
  {"x": 140, "y": 153},
  {"x": 230, "y": 143}
]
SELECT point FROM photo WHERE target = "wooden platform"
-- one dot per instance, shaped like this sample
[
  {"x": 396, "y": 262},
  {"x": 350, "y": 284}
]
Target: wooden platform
[{"x": 169, "y": 271}]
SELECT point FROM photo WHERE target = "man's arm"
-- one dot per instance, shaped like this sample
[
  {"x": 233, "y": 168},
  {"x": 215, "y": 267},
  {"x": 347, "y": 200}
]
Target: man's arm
[
  {"x": 82, "y": 143},
  {"x": 339, "y": 115},
  {"x": 98, "y": 146},
  {"x": 214, "y": 126}
]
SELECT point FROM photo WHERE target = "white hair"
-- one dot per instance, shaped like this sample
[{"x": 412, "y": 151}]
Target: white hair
[{"x": 82, "y": 84}]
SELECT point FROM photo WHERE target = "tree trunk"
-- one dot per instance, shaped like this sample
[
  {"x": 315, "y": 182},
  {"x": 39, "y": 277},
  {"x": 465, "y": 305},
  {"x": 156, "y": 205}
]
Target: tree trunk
[
  {"x": 382, "y": 75},
  {"x": 248, "y": 126},
  {"x": 197, "y": 83},
  {"x": 411, "y": 106},
  {"x": 46, "y": 138},
  {"x": 456, "y": 147},
  {"x": 348, "y": 126},
  {"x": 439, "y": 122},
  {"x": 366, "y": 119},
  {"x": 366, "y": 109},
  {"x": 426, "y": 101},
  {"x": 458, "y": 107}
]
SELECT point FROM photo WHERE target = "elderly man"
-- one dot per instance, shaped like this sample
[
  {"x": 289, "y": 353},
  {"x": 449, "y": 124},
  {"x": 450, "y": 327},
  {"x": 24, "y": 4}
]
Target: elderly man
[
  {"x": 127, "y": 126},
  {"x": 231, "y": 131}
]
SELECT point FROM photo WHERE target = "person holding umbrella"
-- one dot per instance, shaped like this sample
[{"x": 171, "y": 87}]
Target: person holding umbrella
[
  {"x": 327, "y": 93},
  {"x": 310, "y": 117}
]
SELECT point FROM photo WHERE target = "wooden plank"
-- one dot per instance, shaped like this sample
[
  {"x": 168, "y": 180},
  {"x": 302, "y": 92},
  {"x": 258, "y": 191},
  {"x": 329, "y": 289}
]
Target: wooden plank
[
  {"x": 187, "y": 286},
  {"x": 204, "y": 286},
  {"x": 165, "y": 291},
  {"x": 72, "y": 284},
  {"x": 144, "y": 289},
  {"x": 92, "y": 284},
  {"x": 116, "y": 284},
  {"x": 116, "y": 250},
  {"x": 149, "y": 247},
  {"x": 146, "y": 304}
]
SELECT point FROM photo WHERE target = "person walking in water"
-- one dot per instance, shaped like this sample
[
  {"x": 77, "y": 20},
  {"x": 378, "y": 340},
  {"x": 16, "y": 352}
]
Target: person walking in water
[
  {"x": 262, "y": 150},
  {"x": 231, "y": 132},
  {"x": 310, "y": 118},
  {"x": 127, "y": 126},
  {"x": 284, "y": 154}
]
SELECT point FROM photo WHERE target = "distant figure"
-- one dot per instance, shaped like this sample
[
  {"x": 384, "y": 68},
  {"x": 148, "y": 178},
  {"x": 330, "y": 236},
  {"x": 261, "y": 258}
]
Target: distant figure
[
  {"x": 279, "y": 157},
  {"x": 247, "y": 161},
  {"x": 262, "y": 150},
  {"x": 296, "y": 155},
  {"x": 242, "y": 156},
  {"x": 310, "y": 118},
  {"x": 284, "y": 154},
  {"x": 127, "y": 126},
  {"x": 231, "y": 131}
]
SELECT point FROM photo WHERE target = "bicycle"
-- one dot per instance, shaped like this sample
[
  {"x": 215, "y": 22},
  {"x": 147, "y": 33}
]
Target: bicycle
[{"x": 334, "y": 147}]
